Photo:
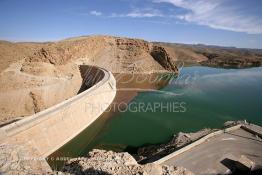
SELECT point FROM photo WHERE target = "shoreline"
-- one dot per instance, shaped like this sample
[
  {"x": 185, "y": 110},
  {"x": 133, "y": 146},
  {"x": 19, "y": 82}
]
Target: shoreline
[{"x": 180, "y": 142}]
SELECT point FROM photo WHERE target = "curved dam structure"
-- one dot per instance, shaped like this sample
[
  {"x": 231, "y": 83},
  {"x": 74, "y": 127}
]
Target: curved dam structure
[{"x": 46, "y": 131}]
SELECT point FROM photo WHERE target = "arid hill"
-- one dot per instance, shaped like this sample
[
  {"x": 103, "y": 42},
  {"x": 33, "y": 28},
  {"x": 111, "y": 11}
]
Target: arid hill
[{"x": 35, "y": 76}]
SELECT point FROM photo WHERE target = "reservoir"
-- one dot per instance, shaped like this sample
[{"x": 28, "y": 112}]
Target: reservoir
[{"x": 200, "y": 97}]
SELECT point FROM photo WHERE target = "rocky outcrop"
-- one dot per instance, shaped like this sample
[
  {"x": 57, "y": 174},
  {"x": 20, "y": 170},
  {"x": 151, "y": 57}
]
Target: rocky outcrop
[
  {"x": 132, "y": 44},
  {"x": 23, "y": 160},
  {"x": 163, "y": 58},
  {"x": 51, "y": 54},
  {"x": 109, "y": 162},
  {"x": 228, "y": 124}
]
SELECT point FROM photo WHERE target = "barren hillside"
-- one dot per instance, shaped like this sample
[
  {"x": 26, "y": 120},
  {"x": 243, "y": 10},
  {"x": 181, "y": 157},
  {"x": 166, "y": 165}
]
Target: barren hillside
[{"x": 35, "y": 76}]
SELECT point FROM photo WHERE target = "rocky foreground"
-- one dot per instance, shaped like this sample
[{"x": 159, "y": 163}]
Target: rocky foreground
[
  {"x": 14, "y": 158},
  {"x": 108, "y": 162}
]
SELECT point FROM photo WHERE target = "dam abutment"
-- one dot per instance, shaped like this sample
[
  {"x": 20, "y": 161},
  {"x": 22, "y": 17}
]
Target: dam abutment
[{"x": 48, "y": 130}]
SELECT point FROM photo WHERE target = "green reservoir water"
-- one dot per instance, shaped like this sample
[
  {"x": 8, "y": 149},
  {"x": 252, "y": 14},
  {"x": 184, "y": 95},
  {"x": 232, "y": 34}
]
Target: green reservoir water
[
  {"x": 204, "y": 98},
  {"x": 211, "y": 96}
]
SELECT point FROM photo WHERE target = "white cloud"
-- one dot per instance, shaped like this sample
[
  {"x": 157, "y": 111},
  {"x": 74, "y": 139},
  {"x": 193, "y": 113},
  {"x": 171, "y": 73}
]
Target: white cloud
[
  {"x": 95, "y": 13},
  {"x": 216, "y": 14},
  {"x": 140, "y": 13},
  {"x": 144, "y": 13}
]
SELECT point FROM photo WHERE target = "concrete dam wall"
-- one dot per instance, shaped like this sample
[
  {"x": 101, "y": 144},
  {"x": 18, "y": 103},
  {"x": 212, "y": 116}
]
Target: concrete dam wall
[{"x": 50, "y": 129}]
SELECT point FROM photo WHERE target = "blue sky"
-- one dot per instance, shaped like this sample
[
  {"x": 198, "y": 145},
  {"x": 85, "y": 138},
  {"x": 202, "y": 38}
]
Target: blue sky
[{"x": 217, "y": 22}]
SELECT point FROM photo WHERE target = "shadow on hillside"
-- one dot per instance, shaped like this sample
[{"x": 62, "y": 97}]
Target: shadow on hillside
[{"x": 90, "y": 76}]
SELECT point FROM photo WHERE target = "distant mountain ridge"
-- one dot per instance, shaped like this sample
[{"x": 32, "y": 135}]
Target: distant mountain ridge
[{"x": 219, "y": 56}]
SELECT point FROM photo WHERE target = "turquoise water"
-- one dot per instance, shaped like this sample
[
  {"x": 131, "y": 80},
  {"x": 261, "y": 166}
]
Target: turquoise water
[
  {"x": 203, "y": 97},
  {"x": 211, "y": 96}
]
